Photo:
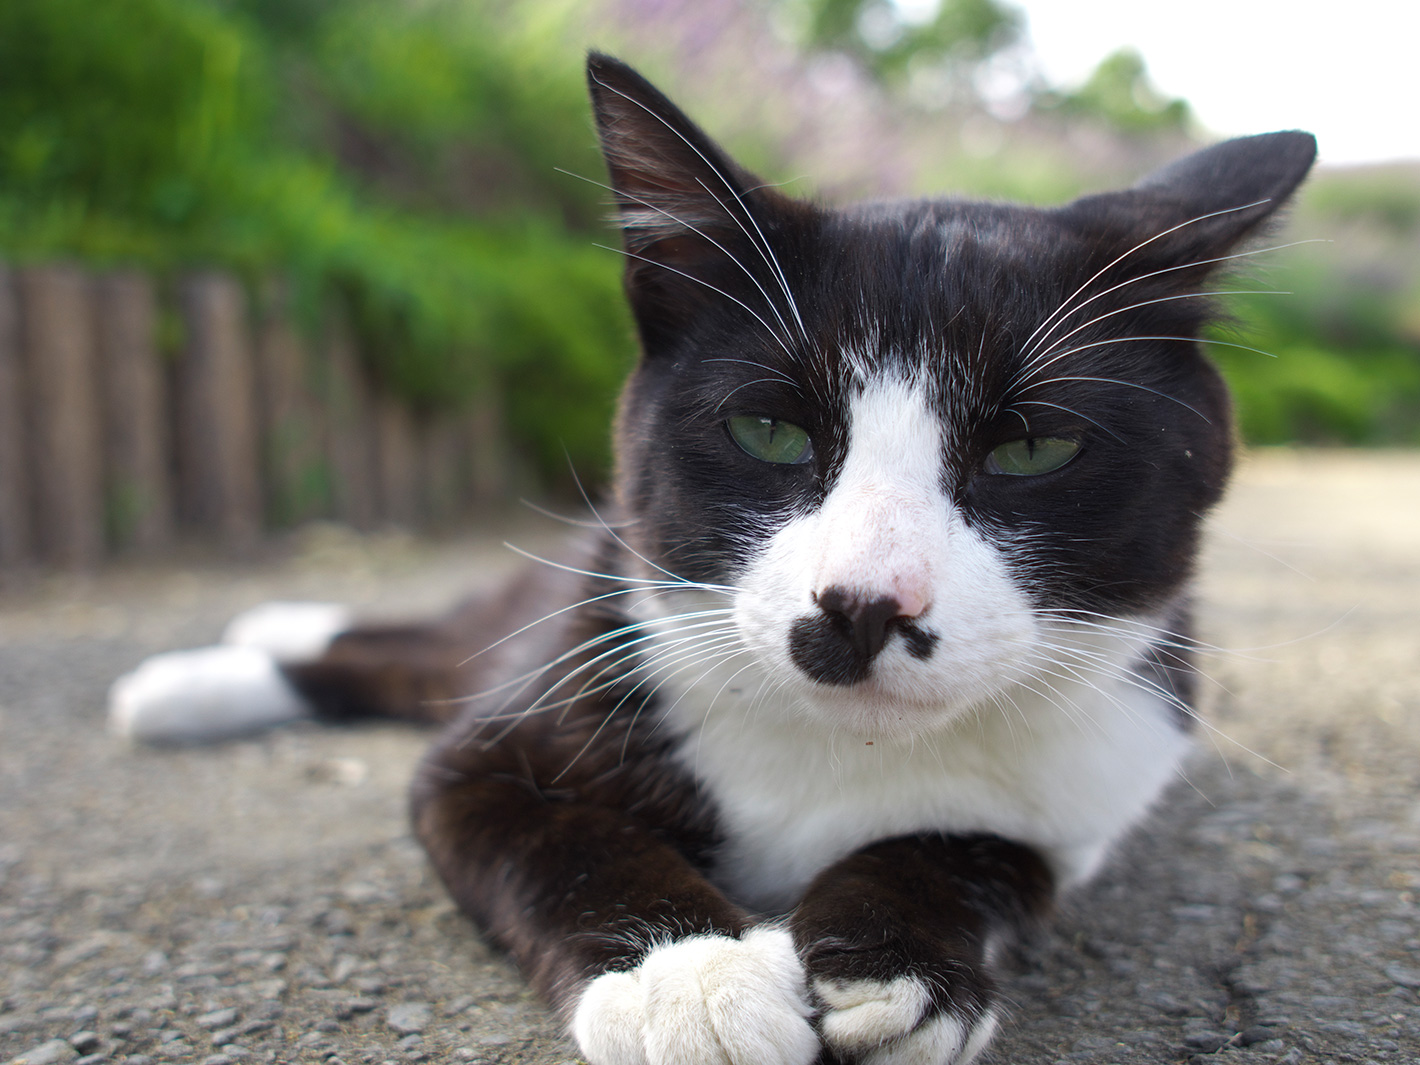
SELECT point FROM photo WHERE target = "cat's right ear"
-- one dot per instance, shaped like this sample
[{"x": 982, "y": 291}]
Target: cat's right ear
[{"x": 695, "y": 224}]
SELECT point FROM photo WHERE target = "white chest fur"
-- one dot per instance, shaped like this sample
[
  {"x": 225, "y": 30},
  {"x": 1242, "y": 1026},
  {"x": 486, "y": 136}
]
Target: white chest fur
[{"x": 1066, "y": 771}]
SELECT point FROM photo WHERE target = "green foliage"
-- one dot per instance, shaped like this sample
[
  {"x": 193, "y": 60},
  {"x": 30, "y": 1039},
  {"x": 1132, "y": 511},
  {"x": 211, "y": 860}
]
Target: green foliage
[
  {"x": 401, "y": 159},
  {"x": 398, "y": 159},
  {"x": 958, "y": 35},
  {"x": 1120, "y": 93},
  {"x": 1315, "y": 395},
  {"x": 134, "y": 106},
  {"x": 1346, "y": 369},
  {"x": 1387, "y": 198}
]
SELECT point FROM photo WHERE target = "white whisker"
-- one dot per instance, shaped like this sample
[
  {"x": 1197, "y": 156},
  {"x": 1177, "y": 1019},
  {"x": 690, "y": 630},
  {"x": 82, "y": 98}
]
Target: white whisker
[{"x": 1066, "y": 309}]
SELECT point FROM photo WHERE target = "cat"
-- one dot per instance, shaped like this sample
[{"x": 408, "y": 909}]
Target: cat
[{"x": 882, "y": 637}]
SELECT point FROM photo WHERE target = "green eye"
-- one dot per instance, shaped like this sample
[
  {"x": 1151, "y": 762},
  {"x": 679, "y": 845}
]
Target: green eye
[
  {"x": 770, "y": 440},
  {"x": 1032, "y": 456}
]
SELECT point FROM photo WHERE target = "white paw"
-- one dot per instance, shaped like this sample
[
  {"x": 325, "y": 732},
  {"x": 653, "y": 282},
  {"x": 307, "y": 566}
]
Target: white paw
[
  {"x": 881, "y": 1023},
  {"x": 289, "y": 632},
  {"x": 199, "y": 696},
  {"x": 706, "y": 1000}
]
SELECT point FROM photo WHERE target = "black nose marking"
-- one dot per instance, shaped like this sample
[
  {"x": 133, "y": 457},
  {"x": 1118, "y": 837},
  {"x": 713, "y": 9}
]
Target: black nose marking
[
  {"x": 839, "y": 643},
  {"x": 864, "y": 622}
]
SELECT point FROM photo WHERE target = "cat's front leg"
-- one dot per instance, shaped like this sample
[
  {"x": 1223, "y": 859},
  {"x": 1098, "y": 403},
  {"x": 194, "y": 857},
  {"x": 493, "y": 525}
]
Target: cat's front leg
[
  {"x": 896, "y": 940},
  {"x": 587, "y": 881}
]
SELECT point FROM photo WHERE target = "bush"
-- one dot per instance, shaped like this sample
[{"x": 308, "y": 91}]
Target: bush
[{"x": 277, "y": 138}]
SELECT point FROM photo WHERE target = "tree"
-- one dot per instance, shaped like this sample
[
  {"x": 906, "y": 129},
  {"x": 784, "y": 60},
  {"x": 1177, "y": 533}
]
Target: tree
[
  {"x": 945, "y": 48},
  {"x": 1121, "y": 93}
]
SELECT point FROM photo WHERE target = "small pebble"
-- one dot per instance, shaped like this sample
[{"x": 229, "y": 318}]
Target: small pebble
[
  {"x": 1258, "y": 1033},
  {"x": 458, "y": 1005},
  {"x": 85, "y": 1042},
  {"x": 16, "y": 1022},
  {"x": 1207, "y": 1042},
  {"x": 1404, "y": 975},
  {"x": 409, "y": 1017},
  {"x": 217, "y": 1019},
  {"x": 55, "y": 1050},
  {"x": 336, "y": 922}
]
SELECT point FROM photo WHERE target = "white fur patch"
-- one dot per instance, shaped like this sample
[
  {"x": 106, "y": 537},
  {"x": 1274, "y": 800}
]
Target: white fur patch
[
  {"x": 880, "y": 1023},
  {"x": 705, "y": 1000},
  {"x": 944, "y": 1040},
  {"x": 200, "y": 696},
  {"x": 289, "y": 632},
  {"x": 863, "y": 1014}
]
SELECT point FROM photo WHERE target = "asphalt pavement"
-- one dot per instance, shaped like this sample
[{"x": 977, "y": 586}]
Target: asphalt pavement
[{"x": 263, "y": 901}]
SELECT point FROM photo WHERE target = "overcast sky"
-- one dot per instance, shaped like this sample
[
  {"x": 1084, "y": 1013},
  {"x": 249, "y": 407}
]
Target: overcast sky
[{"x": 1347, "y": 70}]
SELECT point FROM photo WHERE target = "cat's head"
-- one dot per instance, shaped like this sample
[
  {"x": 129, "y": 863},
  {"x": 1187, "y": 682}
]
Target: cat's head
[{"x": 918, "y": 437}]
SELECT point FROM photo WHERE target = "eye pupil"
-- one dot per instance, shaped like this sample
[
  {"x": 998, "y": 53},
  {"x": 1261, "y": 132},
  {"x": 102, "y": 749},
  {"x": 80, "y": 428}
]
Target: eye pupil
[
  {"x": 1032, "y": 456},
  {"x": 770, "y": 439}
]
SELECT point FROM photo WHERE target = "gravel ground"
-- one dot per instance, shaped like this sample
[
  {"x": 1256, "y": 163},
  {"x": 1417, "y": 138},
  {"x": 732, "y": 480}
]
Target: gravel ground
[{"x": 263, "y": 901}]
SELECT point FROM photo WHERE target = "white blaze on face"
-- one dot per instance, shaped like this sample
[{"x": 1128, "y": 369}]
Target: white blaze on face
[
  {"x": 887, "y": 529},
  {"x": 877, "y": 530}
]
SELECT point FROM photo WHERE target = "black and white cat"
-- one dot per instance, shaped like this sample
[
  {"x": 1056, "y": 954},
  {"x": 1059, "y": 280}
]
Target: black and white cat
[{"x": 885, "y": 637}]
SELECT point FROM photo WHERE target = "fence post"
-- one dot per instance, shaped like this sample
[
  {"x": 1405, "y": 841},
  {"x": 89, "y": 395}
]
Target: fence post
[
  {"x": 219, "y": 487},
  {"x": 293, "y": 421},
  {"x": 135, "y": 408},
  {"x": 487, "y": 453},
  {"x": 15, "y": 543},
  {"x": 351, "y": 446},
  {"x": 397, "y": 460},
  {"x": 441, "y": 481},
  {"x": 56, "y": 336}
]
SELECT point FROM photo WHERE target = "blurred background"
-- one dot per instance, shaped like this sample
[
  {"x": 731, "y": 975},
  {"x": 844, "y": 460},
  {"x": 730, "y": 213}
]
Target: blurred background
[{"x": 270, "y": 261}]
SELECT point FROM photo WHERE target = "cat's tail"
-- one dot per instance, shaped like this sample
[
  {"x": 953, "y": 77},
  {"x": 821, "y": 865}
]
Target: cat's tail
[{"x": 281, "y": 662}]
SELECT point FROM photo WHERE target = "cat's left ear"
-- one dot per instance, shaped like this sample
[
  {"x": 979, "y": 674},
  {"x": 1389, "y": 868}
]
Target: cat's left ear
[{"x": 1204, "y": 204}]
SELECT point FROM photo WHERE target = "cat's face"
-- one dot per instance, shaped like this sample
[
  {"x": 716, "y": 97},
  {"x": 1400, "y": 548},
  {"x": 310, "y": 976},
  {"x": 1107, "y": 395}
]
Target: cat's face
[{"x": 921, "y": 440}]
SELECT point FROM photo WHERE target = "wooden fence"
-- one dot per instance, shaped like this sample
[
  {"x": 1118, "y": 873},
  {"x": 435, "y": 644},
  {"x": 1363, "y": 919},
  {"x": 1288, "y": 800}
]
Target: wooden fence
[{"x": 112, "y": 442}]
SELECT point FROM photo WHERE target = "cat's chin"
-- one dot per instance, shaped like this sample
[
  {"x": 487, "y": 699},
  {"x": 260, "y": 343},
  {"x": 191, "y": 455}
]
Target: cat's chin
[{"x": 876, "y": 709}]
